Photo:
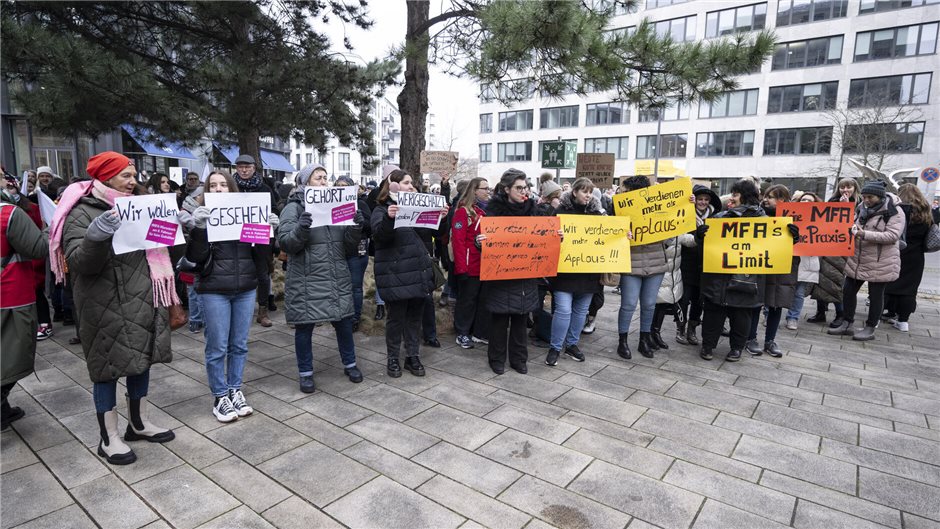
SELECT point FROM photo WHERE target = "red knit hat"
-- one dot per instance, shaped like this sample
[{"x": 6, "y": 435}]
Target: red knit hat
[{"x": 106, "y": 165}]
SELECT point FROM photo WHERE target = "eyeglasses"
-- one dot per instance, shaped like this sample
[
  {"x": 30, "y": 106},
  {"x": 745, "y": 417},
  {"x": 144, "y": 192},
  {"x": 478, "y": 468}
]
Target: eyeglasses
[
  {"x": 483, "y": 189},
  {"x": 520, "y": 188}
]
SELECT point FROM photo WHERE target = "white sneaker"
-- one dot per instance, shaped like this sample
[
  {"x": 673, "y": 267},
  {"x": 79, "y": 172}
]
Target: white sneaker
[
  {"x": 44, "y": 332},
  {"x": 589, "y": 326},
  {"x": 479, "y": 340},
  {"x": 240, "y": 404},
  {"x": 902, "y": 326},
  {"x": 224, "y": 411}
]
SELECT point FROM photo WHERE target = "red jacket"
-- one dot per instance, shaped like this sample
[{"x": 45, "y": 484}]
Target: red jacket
[
  {"x": 39, "y": 265},
  {"x": 463, "y": 233}
]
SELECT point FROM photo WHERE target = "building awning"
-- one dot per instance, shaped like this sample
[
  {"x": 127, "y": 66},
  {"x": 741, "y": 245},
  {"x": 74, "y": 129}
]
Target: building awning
[
  {"x": 168, "y": 150},
  {"x": 270, "y": 160}
]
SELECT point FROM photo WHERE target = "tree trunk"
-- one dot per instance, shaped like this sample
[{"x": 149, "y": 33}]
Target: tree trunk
[
  {"x": 248, "y": 134},
  {"x": 413, "y": 100},
  {"x": 248, "y": 143}
]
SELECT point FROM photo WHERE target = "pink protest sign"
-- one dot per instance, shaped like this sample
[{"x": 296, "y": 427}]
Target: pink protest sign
[
  {"x": 428, "y": 217},
  {"x": 343, "y": 213},
  {"x": 255, "y": 233},
  {"x": 162, "y": 232}
]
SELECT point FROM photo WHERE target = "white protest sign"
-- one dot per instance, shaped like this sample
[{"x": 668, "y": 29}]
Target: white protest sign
[
  {"x": 147, "y": 221},
  {"x": 419, "y": 210},
  {"x": 331, "y": 206},
  {"x": 239, "y": 217},
  {"x": 178, "y": 174}
]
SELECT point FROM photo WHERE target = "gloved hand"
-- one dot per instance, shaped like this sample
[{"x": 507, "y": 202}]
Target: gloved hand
[
  {"x": 306, "y": 220},
  {"x": 103, "y": 226},
  {"x": 361, "y": 220},
  {"x": 795, "y": 232},
  {"x": 273, "y": 220},
  {"x": 700, "y": 231},
  {"x": 186, "y": 219},
  {"x": 201, "y": 216},
  {"x": 190, "y": 204}
]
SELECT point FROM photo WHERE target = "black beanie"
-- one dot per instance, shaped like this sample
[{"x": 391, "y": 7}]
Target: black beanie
[{"x": 875, "y": 187}]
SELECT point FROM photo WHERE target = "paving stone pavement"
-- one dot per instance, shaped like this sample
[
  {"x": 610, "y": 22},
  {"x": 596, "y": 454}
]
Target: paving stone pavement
[{"x": 835, "y": 434}]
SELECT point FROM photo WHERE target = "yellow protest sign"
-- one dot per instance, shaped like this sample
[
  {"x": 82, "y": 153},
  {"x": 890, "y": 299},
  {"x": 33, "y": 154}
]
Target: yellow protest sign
[
  {"x": 666, "y": 168},
  {"x": 658, "y": 212},
  {"x": 752, "y": 245},
  {"x": 594, "y": 243}
]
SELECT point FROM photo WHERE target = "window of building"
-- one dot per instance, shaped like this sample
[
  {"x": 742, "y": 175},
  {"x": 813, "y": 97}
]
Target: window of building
[
  {"x": 344, "y": 162},
  {"x": 911, "y": 89},
  {"x": 877, "y": 6},
  {"x": 298, "y": 160},
  {"x": 625, "y": 31},
  {"x": 728, "y": 21},
  {"x": 516, "y": 120},
  {"x": 793, "y": 12},
  {"x": 486, "y": 152},
  {"x": 486, "y": 123},
  {"x": 520, "y": 151},
  {"x": 680, "y": 29},
  {"x": 812, "y": 140},
  {"x": 889, "y": 43},
  {"x": 671, "y": 113},
  {"x": 619, "y": 146},
  {"x": 559, "y": 117},
  {"x": 607, "y": 114},
  {"x": 615, "y": 8},
  {"x": 806, "y": 53},
  {"x": 653, "y": 4},
  {"x": 737, "y": 103},
  {"x": 734, "y": 143},
  {"x": 309, "y": 158},
  {"x": 886, "y": 137},
  {"x": 802, "y": 97},
  {"x": 487, "y": 93},
  {"x": 673, "y": 146}
]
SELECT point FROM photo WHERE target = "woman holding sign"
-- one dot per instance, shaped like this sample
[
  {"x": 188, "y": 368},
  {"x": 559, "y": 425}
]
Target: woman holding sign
[
  {"x": 404, "y": 274},
  {"x": 470, "y": 317},
  {"x": 230, "y": 272},
  {"x": 121, "y": 301},
  {"x": 318, "y": 288},
  {"x": 510, "y": 301}
]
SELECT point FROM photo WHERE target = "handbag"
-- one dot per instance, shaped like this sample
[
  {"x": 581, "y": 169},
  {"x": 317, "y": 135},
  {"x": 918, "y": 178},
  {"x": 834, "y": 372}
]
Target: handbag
[
  {"x": 177, "y": 316},
  {"x": 439, "y": 278},
  {"x": 932, "y": 239},
  {"x": 743, "y": 284},
  {"x": 610, "y": 279},
  {"x": 200, "y": 269}
]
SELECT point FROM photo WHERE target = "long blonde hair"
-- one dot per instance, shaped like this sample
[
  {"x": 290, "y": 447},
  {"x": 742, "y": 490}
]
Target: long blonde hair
[
  {"x": 920, "y": 209},
  {"x": 469, "y": 197}
]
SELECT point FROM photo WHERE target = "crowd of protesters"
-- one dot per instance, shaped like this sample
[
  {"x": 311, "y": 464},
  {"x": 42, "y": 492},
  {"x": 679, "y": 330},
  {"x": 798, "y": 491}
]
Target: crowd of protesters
[{"x": 123, "y": 305}]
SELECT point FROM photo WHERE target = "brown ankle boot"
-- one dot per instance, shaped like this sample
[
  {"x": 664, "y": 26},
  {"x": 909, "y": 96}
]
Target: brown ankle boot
[{"x": 263, "y": 316}]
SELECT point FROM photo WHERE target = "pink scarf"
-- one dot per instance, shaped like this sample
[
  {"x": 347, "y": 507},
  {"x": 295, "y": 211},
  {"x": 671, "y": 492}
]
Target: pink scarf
[{"x": 158, "y": 259}]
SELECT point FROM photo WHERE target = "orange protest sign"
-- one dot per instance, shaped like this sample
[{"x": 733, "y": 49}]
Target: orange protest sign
[
  {"x": 519, "y": 247},
  {"x": 825, "y": 227}
]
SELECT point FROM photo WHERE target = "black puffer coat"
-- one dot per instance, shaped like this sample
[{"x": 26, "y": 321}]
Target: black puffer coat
[
  {"x": 734, "y": 290},
  {"x": 831, "y": 278},
  {"x": 403, "y": 268},
  {"x": 235, "y": 266},
  {"x": 511, "y": 296},
  {"x": 577, "y": 283},
  {"x": 912, "y": 258}
]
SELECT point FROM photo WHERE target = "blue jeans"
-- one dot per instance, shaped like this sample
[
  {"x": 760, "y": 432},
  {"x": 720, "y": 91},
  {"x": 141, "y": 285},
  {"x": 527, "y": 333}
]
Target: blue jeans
[
  {"x": 195, "y": 306},
  {"x": 105, "y": 393},
  {"x": 357, "y": 269},
  {"x": 303, "y": 345},
  {"x": 798, "y": 298},
  {"x": 568, "y": 320},
  {"x": 228, "y": 318},
  {"x": 638, "y": 288}
]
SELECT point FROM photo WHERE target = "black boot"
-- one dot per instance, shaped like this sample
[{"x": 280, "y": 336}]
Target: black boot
[
  {"x": 394, "y": 369},
  {"x": 680, "y": 333},
  {"x": 413, "y": 364},
  {"x": 690, "y": 333},
  {"x": 623, "y": 348},
  {"x": 819, "y": 317},
  {"x": 656, "y": 338},
  {"x": 8, "y": 414},
  {"x": 646, "y": 345}
]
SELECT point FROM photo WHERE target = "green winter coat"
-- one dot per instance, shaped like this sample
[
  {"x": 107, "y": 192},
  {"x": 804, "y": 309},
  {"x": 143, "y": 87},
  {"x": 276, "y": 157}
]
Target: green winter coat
[
  {"x": 18, "y": 325},
  {"x": 122, "y": 333},
  {"x": 318, "y": 285}
]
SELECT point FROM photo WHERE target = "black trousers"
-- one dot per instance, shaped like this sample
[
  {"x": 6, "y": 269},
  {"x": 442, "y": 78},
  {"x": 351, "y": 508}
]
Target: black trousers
[
  {"x": 597, "y": 301},
  {"x": 42, "y": 306},
  {"x": 738, "y": 317},
  {"x": 903, "y": 306},
  {"x": 403, "y": 325},
  {"x": 876, "y": 293},
  {"x": 470, "y": 314},
  {"x": 691, "y": 302},
  {"x": 508, "y": 329},
  {"x": 428, "y": 319}
]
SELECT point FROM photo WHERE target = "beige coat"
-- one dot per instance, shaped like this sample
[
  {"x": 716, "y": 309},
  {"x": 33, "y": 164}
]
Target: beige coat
[{"x": 877, "y": 256}]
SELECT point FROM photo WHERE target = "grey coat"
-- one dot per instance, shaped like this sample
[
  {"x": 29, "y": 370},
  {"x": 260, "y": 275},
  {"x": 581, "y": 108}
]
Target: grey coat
[
  {"x": 122, "y": 332},
  {"x": 318, "y": 285},
  {"x": 877, "y": 255},
  {"x": 648, "y": 259}
]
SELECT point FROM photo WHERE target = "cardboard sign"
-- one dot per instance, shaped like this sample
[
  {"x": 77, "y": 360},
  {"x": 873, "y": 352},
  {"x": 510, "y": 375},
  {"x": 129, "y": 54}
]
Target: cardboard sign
[
  {"x": 439, "y": 161},
  {"x": 519, "y": 247},
  {"x": 759, "y": 245},
  {"x": 825, "y": 227},
  {"x": 331, "y": 206},
  {"x": 594, "y": 243},
  {"x": 147, "y": 221},
  {"x": 419, "y": 210},
  {"x": 599, "y": 168},
  {"x": 231, "y": 212},
  {"x": 659, "y": 212}
]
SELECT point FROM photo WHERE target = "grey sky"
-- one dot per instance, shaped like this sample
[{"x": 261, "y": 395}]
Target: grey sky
[{"x": 453, "y": 101}]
